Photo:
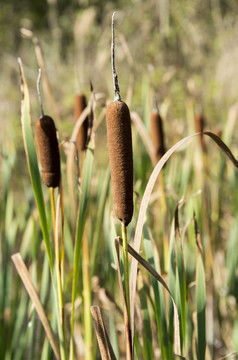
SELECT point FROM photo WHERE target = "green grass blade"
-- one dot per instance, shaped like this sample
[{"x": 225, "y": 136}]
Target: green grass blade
[
  {"x": 147, "y": 333},
  {"x": 172, "y": 286},
  {"x": 200, "y": 296},
  {"x": 180, "y": 279},
  {"x": 80, "y": 229},
  {"x": 99, "y": 219},
  {"x": 201, "y": 310},
  {"x": 113, "y": 334},
  {"x": 232, "y": 259},
  {"x": 159, "y": 305},
  {"x": 182, "y": 293}
]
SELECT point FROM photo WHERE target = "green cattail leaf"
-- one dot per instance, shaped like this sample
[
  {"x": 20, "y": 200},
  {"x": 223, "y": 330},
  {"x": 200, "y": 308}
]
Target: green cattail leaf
[
  {"x": 172, "y": 285},
  {"x": 20, "y": 319},
  {"x": 232, "y": 258},
  {"x": 80, "y": 226},
  {"x": 102, "y": 196},
  {"x": 181, "y": 278},
  {"x": 201, "y": 309},
  {"x": 32, "y": 162},
  {"x": 182, "y": 293},
  {"x": 113, "y": 334},
  {"x": 147, "y": 334},
  {"x": 27, "y": 237},
  {"x": 159, "y": 304},
  {"x": 69, "y": 248}
]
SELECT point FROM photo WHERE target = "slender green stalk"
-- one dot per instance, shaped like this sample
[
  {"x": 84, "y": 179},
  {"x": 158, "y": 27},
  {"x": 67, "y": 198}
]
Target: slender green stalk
[
  {"x": 58, "y": 263},
  {"x": 52, "y": 200},
  {"x": 81, "y": 219},
  {"x": 62, "y": 234},
  {"x": 126, "y": 270},
  {"x": 164, "y": 217},
  {"x": 87, "y": 301},
  {"x": 60, "y": 313}
]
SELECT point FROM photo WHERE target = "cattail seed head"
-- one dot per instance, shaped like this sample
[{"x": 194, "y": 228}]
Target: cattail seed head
[
  {"x": 121, "y": 159},
  {"x": 157, "y": 134},
  {"x": 199, "y": 127},
  {"x": 80, "y": 104},
  {"x": 48, "y": 151}
]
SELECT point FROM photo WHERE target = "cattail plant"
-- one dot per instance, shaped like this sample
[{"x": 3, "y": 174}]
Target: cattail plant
[
  {"x": 120, "y": 151},
  {"x": 121, "y": 164},
  {"x": 48, "y": 147},
  {"x": 157, "y": 134},
  {"x": 51, "y": 176},
  {"x": 80, "y": 103}
]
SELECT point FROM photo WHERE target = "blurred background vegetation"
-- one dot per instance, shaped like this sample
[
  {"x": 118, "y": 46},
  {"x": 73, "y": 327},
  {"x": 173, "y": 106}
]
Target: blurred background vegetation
[
  {"x": 178, "y": 49},
  {"x": 185, "y": 52}
]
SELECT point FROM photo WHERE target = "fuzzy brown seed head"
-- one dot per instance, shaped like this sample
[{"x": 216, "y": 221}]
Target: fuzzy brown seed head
[
  {"x": 79, "y": 105},
  {"x": 157, "y": 134},
  {"x": 48, "y": 151},
  {"x": 121, "y": 159},
  {"x": 199, "y": 126}
]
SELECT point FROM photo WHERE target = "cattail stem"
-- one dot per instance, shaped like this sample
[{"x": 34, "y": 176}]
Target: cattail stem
[
  {"x": 62, "y": 234},
  {"x": 126, "y": 269},
  {"x": 87, "y": 301},
  {"x": 164, "y": 211},
  {"x": 57, "y": 258},
  {"x": 52, "y": 208},
  {"x": 114, "y": 73},
  {"x": 58, "y": 275}
]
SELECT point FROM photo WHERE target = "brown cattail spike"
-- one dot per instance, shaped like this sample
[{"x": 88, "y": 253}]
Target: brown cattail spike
[
  {"x": 79, "y": 105},
  {"x": 48, "y": 151},
  {"x": 199, "y": 127},
  {"x": 157, "y": 134},
  {"x": 121, "y": 160}
]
